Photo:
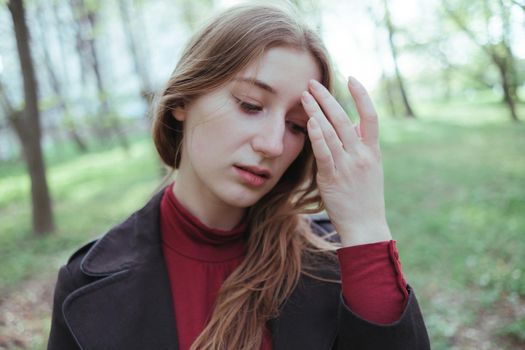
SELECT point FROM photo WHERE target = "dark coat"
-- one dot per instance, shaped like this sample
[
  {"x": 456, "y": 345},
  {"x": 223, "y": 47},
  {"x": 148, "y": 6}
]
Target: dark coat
[{"x": 114, "y": 293}]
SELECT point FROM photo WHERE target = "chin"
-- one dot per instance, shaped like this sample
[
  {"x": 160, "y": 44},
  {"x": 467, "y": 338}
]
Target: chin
[
  {"x": 244, "y": 198},
  {"x": 244, "y": 202}
]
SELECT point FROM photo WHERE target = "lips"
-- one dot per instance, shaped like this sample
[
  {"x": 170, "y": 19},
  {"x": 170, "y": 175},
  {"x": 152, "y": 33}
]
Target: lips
[{"x": 255, "y": 170}]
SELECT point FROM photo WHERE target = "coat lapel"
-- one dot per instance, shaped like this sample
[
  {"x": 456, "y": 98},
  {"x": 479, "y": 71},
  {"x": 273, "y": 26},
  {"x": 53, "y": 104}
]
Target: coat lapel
[{"x": 129, "y": 304}]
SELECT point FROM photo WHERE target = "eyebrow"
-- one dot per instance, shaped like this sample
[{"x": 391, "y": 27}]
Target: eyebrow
[{"x": 260, "y": 84}]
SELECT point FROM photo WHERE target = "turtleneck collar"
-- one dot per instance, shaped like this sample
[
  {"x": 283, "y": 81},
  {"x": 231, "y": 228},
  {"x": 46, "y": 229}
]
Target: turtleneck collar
[{"x": 184, "y": 233}]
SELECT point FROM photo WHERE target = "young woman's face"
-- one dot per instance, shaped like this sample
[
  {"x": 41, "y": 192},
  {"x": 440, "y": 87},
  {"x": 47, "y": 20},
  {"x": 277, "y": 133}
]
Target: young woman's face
[{"x": 240, "y": 138}]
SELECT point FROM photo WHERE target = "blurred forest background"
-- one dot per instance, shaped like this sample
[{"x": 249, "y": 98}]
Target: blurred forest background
[{"x": 78, "y": 77}]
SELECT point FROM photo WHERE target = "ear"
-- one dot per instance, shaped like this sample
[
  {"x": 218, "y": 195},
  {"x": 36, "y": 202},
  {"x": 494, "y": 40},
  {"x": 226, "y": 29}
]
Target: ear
[{"x": 179, "y": 113}]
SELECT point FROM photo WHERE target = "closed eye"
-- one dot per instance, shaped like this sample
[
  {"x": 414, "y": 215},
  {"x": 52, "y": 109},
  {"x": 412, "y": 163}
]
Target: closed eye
[
  {"x": 250, "y": 108},
  {"x": 247, "y": 107},
  {"x": 296, "y": 128}
]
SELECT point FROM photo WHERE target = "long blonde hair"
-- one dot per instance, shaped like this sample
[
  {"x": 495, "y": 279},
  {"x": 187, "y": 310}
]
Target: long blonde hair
[{"x": 281, "y": 245}]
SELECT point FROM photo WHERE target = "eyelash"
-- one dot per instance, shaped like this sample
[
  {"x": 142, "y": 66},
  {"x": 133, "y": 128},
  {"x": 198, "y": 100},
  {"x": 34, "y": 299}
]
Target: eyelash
[
  {"x": 249, "y": 108},
  {"x": 253, "y": 109},
  {"x": 296, "y": 128}
]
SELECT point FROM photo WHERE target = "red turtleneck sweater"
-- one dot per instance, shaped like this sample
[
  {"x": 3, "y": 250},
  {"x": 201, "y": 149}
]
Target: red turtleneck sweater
[{"x": 199, "y": 259}]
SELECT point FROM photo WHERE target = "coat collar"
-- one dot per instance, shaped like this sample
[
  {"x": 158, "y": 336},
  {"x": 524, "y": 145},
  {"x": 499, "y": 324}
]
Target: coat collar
[
  {"x": 135, "y": 241},
  {"x": 129, "y": 304}
]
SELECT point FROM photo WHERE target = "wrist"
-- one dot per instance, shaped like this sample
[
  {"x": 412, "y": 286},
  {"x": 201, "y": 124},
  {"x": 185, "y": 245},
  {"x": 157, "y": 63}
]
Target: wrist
[{"x": 353, "y": 235}]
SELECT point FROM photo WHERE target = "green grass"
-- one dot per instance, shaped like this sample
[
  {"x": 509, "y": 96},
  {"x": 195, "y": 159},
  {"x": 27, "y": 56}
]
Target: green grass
[
  {"x": 455, "y": 193},
  {"x": 456, "y": 201}
]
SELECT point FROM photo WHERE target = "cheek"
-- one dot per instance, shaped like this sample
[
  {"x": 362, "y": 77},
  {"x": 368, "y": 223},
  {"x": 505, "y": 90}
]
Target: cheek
[
  {"x": 199, "y": 142},
  {"x": 211, "y": 139},
  {"x": 294, "y": 146},
  {"x": 195, "y": 140},
  {"x": 199, "y": 133}
]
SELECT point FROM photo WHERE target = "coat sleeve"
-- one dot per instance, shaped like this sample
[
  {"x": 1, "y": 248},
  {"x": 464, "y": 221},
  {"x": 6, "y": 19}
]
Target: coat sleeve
[
  {"x": 407, "y": 333},
  {"x": 60, "y": 337}
]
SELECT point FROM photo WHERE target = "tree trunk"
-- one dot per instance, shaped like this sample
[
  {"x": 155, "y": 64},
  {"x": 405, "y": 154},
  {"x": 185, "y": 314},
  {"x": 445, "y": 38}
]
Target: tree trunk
[
  {"x": 503, "y": 62},
  {"x": 139, "y": 66},
  {"x": 105, "y": 109},
  {"x": 409, "y": 111},
  {"x": 510, "y": 61},
  {"x": 508, "y": 97},
  {"x": 87, "y": 20},
  {"x": 56, "y": 86},
  {"x": 386, "y": 82},
  {"x": 387, "y": 87},
  {"x": 27, "y": 126}
]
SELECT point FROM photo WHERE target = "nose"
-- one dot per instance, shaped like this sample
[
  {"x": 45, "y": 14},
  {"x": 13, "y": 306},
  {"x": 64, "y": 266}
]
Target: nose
[{"x": 269, "y": 139}]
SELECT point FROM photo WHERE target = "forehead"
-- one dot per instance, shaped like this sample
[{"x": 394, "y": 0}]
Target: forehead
[{"x": 283, "y": 67}]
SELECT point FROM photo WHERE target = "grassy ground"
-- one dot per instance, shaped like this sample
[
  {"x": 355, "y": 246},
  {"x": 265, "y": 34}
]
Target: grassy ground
[{"x": 455, "y": 200}]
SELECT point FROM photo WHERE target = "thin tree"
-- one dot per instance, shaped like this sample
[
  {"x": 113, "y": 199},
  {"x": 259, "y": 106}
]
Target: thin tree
[
  {"x": 56, "y": 86},
  {"x": 409, "y": 111},
  {"x": 387, "y": 86},
  {"x": 499, "y": 51},
  {"x": 26, "y": 124},
  {"x": 86, "y": 45},
  {"x": 146, "y": 91}
]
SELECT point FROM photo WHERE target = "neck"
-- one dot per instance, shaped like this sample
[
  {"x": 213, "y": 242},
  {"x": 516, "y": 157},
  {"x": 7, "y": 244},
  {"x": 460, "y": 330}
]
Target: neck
[{"x": 210, "y": 211}]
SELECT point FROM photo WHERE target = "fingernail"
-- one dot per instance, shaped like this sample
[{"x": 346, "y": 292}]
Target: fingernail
[
  {"x": 315, "y": 84},
  {"x": 351, "y": 80},
  {"x": 313, "y": 123},
  {"x": 306, "y": 97}
]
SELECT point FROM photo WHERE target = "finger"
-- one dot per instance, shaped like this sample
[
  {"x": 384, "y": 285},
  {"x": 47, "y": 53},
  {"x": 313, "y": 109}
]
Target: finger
[
  {"x": 330, "y": 136},
  {"x": 342, "y": 124},
  {"x": 358, "y": 130},
  {"x": 323, "y": 156},
  {"x": 369, "y": 124}
]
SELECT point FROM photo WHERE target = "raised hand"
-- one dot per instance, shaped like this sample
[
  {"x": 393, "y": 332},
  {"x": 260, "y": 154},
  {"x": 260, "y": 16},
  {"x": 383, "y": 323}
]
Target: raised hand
[{"x": 350, "y": 173}]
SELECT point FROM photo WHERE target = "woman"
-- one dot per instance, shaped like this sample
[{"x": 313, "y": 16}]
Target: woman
[{"x": 225, "y": 257}]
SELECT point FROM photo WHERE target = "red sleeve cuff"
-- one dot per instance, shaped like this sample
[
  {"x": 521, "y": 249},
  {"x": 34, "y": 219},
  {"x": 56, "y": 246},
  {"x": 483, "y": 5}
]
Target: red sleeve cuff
[{"x": 373, "y": 284}]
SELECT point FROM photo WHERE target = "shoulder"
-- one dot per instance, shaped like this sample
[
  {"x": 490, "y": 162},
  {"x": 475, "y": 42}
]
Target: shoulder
[
  {"x": 322, "y": 264},
  {"x": 71, "y": 273},
  {"x": 81, "y": 252},
  {"x": 322, "y": 226},
  {"x": 120, "y": 246}
]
